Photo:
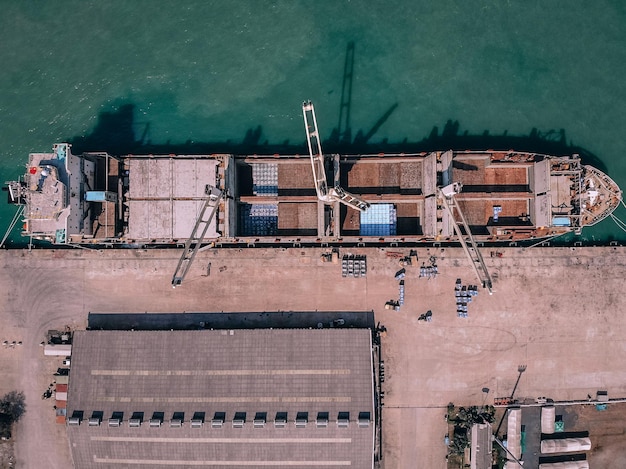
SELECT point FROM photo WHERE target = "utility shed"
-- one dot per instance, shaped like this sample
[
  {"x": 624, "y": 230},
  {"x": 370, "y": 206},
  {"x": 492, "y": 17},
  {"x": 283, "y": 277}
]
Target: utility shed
[{"x": 221, "y": 398}]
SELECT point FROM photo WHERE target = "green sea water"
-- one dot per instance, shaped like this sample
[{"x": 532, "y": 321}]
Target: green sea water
[{"x": 203, "y": 71}]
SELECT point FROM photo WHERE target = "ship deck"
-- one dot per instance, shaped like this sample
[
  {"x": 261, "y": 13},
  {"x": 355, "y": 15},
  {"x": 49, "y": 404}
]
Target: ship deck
[
  {"x": 281, "y": 200},
  {"x": 54, "y": 181}
]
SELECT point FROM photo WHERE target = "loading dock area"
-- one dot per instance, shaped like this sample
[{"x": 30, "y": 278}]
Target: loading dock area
[{"x": 556, "y": 310}]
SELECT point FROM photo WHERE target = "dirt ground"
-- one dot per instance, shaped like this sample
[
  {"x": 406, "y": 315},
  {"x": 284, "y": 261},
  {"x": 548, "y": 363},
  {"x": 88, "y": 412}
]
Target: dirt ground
[
  {"x": 556, "y": 310},
  {"x": 607, "y": 431}
]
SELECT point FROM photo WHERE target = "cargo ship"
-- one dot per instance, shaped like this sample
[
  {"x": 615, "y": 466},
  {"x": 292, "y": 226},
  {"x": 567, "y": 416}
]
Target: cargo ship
[
  {"x": 96, "y": 198},
  {"x": 310, "y": 199}
]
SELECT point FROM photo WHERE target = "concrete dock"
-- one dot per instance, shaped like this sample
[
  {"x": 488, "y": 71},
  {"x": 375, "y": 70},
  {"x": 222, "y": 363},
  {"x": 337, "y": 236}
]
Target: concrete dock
[{"x": 556, "y": 310}]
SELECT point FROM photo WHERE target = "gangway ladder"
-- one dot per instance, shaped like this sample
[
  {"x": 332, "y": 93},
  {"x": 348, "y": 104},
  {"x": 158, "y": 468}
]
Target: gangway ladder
[
  {"x": 214, "y": 195},
  {"x": 16, "y": 196},
  {"x": 448, "y": 197},
  {"x": 14, "y": 221},
  {"x": 324, "y": 193}
]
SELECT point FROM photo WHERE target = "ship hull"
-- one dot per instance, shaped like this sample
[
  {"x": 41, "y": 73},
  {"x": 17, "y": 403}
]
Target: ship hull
[{"x": 154, "y": 200}]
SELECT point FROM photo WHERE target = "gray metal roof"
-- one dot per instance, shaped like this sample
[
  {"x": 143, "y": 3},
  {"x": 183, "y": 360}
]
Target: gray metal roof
[
  {"x": 250, "y": 375},
  {"x": 481, "y": 447}
]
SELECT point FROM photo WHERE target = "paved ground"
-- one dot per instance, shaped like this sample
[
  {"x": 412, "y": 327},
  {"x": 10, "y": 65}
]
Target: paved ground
[{"x": 556, "y": 310}]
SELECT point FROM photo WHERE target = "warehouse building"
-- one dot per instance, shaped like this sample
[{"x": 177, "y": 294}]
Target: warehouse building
[{"x": 222, "y": 398}]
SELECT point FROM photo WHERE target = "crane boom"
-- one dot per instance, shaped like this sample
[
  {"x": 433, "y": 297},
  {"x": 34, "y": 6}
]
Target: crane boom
[
  {"x": 214, "y": 195},
  {"x": 448, "y": 194},
  {"x": 324, "y": 193},
  {"x": 315, "y": 151}
]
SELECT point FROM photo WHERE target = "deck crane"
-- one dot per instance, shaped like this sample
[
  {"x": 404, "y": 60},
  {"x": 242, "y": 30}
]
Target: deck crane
[
  {"x": 324, "y": 193},
  {"x": 212, "y": 200},
  {"x": 448, "y": 196}
]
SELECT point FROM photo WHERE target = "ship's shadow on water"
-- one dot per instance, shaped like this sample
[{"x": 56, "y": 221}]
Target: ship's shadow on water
[{"x": 117, "y": 133}]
